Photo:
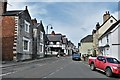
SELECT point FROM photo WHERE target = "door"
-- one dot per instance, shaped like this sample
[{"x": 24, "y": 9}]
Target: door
[
  {"x": 102, "y": 63},
  {"x": 98, "y": 61}
]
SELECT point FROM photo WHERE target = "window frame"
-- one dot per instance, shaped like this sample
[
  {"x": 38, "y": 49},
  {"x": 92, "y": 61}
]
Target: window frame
[
  {"x": 28, "y": 45},
  {"x": 41, "y": 48},
  {"x": 41, "y": 35},
  {"x": 26, "y": 27}
]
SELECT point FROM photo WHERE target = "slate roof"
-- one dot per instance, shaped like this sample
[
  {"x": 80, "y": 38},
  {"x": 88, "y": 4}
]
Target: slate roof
[
  {"x": 56, "y": 37},
  {"x": 12, "y": 13},
  {"x": 40, "y": 26},
  {"x": 64, "y": 40},
  {"x": 88, "y": 38},
  {"x": 112, "y": 27}
]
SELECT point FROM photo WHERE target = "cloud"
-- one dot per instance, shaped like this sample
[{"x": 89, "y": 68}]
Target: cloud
[
  {"x": 64, "y": 0},
  {"x": 73, "y": 19},
  {"x": 82, "y": 21}
]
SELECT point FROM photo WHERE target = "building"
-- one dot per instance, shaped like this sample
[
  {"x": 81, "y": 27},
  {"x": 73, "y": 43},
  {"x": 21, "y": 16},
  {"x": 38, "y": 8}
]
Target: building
[
  {"x": 16, "y": 35},
  {"x": 3, "y": 5},
  {"x": 54, "y": 43},
  {"x": 86, "y": 45},
  {"x": 108, "y": 20},
  {"x": 109, "y": 42},
  {"x": 38, "y": 39},
  {"x": 65, "y": 45},
  {"x": 70, "y": 48}
]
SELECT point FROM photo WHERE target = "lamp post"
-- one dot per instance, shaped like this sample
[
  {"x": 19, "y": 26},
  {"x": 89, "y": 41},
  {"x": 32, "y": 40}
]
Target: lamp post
[
  {"x": 47, "y": 28},
  {"x": 47, "y": 49}
]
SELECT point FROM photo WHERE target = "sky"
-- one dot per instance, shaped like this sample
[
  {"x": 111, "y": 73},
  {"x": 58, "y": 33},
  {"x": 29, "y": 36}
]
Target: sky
[{"x": 73, "y": 18}]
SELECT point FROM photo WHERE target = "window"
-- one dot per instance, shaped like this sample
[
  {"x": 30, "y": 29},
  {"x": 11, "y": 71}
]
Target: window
[
  {"x": 101, "y": 40},
  {"x": 107, "y": 39},
  {"x": 111, "y": 21},
  {"x": 113, "y": 60},
  {"x": 54, "y": 43},
  {"x": 99, "y": 58},
  {"x": 41, "y": 47},
  {"x": 58, "y": 43},
  {"x": 25, "y": 44},
  {"x": 51, "y": 43},
  {"x": 41, "y": 35},
  {"x": 26, "y": 26}
]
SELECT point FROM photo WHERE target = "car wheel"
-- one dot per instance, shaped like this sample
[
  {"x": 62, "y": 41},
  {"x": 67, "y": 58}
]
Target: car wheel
[
  {"x": 92, "y": 66},
  {"x": 108, "y": 72}
]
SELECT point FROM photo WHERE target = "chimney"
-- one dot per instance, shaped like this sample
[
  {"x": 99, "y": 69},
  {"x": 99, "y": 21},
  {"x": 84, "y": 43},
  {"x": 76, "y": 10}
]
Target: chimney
[
  {"x": 34, "y": 21},
  {"x": 106, "y": 16},
  {"x": 26, "y": 8},
  {"x": 53, "y": 33},
  {"x": 3, "y": 6},
  {"x": 93, "y": 32},
  {"x": 97, "y": 26}
]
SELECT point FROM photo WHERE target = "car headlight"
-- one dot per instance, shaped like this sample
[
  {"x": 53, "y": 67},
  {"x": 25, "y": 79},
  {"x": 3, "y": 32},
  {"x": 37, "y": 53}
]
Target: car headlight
[{"x": 115, "y": 67}]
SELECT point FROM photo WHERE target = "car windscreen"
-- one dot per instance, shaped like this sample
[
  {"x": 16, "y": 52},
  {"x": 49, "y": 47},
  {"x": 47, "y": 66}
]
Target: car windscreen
[
  {"x": 113, "y": 60},
  {"x": 76, "y": 54}
]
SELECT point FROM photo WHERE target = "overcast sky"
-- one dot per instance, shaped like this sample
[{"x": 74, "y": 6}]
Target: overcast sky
[{"x": 75, "y": 19}]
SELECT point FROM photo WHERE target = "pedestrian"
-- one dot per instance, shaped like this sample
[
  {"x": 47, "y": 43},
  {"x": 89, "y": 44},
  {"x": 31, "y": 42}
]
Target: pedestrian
[{"x": 58, "y": 55}]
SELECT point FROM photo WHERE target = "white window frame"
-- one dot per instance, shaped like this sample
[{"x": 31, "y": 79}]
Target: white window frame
[
  {"x": 27, "y": 27},
  {"x": 41, "y": 35},
  {"x": 25, "y": 39},
  {"x": 51, "y": 43},
  {"x": 41, "y": 51}
]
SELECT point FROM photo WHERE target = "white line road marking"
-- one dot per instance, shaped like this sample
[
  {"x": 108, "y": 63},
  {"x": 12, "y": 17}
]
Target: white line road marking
[
  {"x": 61, "y": 68},
  {"x": 44, "y": 77},
  {"x": 57, "y": 70},
  {"x": 40, "y": 64},
  {"x": 7, "y": 73},
  {"x": 51, "y": 73}
]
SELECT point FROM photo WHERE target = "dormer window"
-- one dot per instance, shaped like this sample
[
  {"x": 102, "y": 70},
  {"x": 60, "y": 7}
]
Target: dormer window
[{"x": 27, "y": 25}]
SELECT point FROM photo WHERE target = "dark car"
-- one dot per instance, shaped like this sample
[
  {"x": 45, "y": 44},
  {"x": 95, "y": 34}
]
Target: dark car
[{"x": 76, "y": 56}]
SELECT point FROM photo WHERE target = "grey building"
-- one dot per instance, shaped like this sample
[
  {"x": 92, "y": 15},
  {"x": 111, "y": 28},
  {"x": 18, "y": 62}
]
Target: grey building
[
  {"x": 38, "y": 39},
  {"x": 65, "y": 45}
]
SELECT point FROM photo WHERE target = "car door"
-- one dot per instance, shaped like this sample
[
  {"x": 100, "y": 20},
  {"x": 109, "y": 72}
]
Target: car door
[
  {"x": 102, "y": 63},
  {"x": 98, "y": 61}
]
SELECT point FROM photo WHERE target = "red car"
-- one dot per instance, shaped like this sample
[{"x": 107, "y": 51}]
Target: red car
[{"x": 109, "y": 65}]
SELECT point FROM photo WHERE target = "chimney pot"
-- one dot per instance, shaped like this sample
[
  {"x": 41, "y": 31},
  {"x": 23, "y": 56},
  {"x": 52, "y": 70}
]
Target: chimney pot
[
  {"x": 25, "y": 7},
  {"x": 106, "y": 16}
]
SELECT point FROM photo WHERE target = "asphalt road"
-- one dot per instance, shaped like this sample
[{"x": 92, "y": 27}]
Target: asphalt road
[{"x": 63, "y": 67}]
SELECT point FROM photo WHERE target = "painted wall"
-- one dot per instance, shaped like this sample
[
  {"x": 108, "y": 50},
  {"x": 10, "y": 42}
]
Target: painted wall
[
  {"x": 113, "y": 41},
  {"x": 115, "y": 35},
  {"x": 84, "y": 47},
  {"x": 106, "y": 26}
]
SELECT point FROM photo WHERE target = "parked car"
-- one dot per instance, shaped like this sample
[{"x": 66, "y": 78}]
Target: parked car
[
  {"x": 109, "y": 65},
  {"x": 76, "y": 56}
]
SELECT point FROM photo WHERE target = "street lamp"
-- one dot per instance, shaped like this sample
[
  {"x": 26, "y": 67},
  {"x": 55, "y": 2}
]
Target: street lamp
[
  {"x": 47, "y": 48},
  {"x": 47, "y": 28}
]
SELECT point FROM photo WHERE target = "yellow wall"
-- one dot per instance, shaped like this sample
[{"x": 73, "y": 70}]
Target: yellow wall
[{"x": 85, "y": 46}]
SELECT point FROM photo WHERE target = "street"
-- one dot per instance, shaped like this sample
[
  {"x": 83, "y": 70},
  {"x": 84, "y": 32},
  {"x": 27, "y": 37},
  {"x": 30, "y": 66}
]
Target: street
[{"x": 63, "y": 67}]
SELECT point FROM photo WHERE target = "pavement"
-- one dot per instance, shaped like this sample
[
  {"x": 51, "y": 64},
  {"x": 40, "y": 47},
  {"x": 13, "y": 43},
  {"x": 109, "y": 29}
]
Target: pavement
[{"x": 15, "y": 63}]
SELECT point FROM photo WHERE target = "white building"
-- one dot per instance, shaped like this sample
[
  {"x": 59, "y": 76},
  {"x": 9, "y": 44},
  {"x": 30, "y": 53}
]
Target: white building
[
  {"x": 86, "y": 45},
  {"x": 109, "y": 42}
]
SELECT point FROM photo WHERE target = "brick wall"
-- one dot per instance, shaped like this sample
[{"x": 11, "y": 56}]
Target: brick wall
[{"x": 8, "y": 27}]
